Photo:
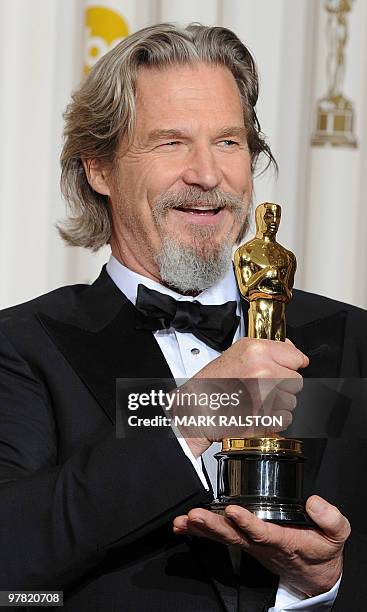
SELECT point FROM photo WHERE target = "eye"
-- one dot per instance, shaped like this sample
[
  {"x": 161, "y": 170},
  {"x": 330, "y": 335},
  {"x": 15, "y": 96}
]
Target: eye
[
  {"x": 229, "y": 143},
  {"x": 171, "y": 143}
]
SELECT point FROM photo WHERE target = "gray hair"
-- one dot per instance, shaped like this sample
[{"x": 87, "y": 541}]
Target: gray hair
[{"x": 102, "y": 112}]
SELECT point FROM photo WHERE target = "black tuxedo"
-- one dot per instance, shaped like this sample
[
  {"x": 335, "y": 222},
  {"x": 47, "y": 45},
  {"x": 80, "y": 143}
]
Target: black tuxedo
[{"x": 84, "y": 512}]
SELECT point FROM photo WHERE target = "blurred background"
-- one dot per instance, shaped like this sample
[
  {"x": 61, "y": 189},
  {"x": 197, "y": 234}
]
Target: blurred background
[{"x": 311, "y": 56}]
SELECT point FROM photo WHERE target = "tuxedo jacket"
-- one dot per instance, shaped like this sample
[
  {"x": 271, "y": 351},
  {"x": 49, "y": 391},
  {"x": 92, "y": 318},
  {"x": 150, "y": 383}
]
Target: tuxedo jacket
[{"x": 91, "y": 514}]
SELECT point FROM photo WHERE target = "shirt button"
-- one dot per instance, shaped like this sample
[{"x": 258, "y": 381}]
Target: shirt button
[{"x": 195, "y": 351}]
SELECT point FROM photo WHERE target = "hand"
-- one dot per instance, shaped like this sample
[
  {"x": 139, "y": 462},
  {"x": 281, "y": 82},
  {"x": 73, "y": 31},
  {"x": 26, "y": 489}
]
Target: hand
[
  {"x": 275, "y": 363},
  {"x": 307, "y": 560},
  {"x": 252, "y": 358}
]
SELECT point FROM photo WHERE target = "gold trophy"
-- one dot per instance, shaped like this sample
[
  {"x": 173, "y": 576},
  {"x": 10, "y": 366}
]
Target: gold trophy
[
  {"x": 335, "y": 112},
  {"x": 264, "y": 475}
]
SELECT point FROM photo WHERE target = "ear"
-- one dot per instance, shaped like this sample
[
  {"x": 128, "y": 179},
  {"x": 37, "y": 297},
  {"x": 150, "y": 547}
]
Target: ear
[{"x": 97, "y": 176}]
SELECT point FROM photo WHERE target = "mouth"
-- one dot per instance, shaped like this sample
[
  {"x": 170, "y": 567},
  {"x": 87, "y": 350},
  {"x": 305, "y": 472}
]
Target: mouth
[
  {"x": 200, "y": 210},
  {"x": 200, "y": 215}
]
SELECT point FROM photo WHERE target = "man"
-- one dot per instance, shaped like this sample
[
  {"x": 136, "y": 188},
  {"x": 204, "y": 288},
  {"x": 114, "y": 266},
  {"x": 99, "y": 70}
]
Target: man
[{"x": 160, "y": 144}]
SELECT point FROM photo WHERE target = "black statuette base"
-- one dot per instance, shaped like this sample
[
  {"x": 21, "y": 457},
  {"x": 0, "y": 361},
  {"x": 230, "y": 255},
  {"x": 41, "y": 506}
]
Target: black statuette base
[
  {"x": 268, "y": 511},
  {"x": 268, "y": 484}
]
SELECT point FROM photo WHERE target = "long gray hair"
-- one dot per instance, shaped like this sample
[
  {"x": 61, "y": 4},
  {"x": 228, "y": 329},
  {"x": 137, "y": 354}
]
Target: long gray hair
[{"x": 102, "y": 112}]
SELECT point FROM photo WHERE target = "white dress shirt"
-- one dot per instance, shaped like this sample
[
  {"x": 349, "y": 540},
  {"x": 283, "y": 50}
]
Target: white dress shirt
[{"x": 186, "y": 355}]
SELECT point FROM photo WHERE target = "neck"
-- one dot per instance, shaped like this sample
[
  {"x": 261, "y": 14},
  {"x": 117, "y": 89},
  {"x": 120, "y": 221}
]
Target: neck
[
  {"x": 135, "y": 266},
  {"x": 266, "y": 237},
  {"x": 127, "y": 259}
]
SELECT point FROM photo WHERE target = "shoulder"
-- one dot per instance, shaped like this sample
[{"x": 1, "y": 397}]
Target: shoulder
[
  {"x": 86, "y": 306},
  {"x": 316, "y": 322},
  {"x": 52, "y": 303},
  {"x": 23, "y": 342},
  {"x": 246, "y": 252},
  {"x": 306, "y": 307},
  {"x": 247, "y": 246},
  {"x": 291, "y": 255}
]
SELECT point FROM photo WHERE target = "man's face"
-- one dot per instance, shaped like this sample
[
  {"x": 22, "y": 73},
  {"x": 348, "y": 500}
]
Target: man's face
[{"x": 189, "y": 152}]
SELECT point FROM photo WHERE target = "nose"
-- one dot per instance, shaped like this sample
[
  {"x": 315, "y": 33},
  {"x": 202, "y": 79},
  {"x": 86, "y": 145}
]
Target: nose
[{"x": 202, "y": 168}]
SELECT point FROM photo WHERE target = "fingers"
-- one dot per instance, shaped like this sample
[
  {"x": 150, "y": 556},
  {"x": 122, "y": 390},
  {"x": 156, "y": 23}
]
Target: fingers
[
  {"x": 284, "y": 401},
  {"x": 279, "y": 401},
  {"x": 285, "y": 419},
  {"x": 180, "y": 524},
  {"x": 291, "y": 385},
  {"x": 211, "y": 525},
  {"x": 256, "y": 359},
  {"x": 333, "y": 523},
  {"x": 279, "y": 404},
  {"x": 257, "y": 531},
  {"x": 288, "y": 356},
  {"x": 261, "y": 358},
  {"x": 237, "y": 527},
  {"x": 308, "y": 560},
  {"x": 204, "y": 524}
]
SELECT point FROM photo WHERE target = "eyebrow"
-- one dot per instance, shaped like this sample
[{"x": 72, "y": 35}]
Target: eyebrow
[
  {"x": 233, "y": 131},
  {"x": 162, "y": 134}
]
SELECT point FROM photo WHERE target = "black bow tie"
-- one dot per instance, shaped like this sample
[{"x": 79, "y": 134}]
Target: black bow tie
[{"x": 214, "y": 325}]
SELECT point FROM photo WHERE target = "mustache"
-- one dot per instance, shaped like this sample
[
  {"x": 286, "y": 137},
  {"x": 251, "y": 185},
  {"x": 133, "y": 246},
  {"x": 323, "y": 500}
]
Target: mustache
[{"x": 215, "y": 198}]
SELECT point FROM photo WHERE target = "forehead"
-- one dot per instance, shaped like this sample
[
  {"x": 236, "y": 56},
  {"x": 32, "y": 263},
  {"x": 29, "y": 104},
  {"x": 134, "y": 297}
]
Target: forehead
[{"x": 187, "y": 93}]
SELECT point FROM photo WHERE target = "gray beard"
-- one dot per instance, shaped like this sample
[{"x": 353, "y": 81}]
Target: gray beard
[
  {"x": 192, "y": 268},
  {"x": 188, "y": 271}
]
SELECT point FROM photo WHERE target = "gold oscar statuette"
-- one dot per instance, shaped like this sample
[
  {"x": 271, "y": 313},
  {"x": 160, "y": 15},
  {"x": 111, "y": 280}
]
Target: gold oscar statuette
[
  {"x": 264, "y": 475},
  {"x": 335, "y": 112}
]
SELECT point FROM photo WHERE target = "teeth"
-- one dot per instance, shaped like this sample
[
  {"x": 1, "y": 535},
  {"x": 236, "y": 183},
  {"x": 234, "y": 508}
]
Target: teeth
[
  {"x": 206, "y": 209},
  {"x": 196, "y": 209}
]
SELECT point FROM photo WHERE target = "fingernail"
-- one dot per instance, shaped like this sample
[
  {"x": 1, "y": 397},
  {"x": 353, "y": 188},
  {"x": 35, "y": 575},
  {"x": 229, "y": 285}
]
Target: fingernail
[
  {"x": 198, "y": 521},
  {"x": 318, "y": 505}
]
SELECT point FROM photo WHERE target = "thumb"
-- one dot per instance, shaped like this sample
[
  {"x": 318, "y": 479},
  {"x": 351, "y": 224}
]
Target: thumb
[
  {"x": 326, "y": 516},
  {"x": 304, "y": 359}
]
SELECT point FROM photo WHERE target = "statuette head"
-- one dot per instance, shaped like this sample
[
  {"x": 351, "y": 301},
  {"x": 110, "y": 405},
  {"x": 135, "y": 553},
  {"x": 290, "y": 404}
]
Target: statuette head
[{"x": 267, "y": 217}]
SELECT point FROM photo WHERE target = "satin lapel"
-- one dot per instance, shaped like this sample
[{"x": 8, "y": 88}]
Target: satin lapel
[{"x": 100, "y": 342}]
